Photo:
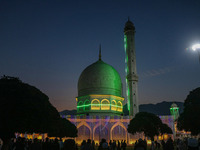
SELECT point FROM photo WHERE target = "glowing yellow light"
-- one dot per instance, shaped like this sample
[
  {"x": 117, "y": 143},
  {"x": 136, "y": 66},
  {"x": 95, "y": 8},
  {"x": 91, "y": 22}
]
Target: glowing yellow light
[
  {"x": 100, "y": 105},
  {"x": 97, "y": 142},
  {"x": 148, "y": 142},
  {"x": 105, "y": 104},
  {"x": 159, "y": 137},
  {"x": 95, "y": 104},
  {"x": 119, "y": 106},
  {"x": 95, "y": 108},
  {"x": 113, "y": 105},
  {"x": 39, "y": 137},
  {"x": 29, "y": 136},
  {"x": 165, "y": 136},
  {"x": 132, "y": 141}
]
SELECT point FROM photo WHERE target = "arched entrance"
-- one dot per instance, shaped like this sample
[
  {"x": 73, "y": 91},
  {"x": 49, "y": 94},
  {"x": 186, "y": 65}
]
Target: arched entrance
[
  {"x": 101, "y": 132},
  {"x": 84, "y": 132},
  {"x": 118, "y": 132}
]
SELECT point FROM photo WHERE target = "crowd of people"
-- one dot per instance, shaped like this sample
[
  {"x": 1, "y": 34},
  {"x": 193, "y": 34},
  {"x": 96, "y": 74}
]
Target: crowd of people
[
  {"x": 188, "y": 144},
  {"x": 184, "y": 144},
  {"x": 104, "y": 145},
  {"x": 47, "y": 144},
  {"x": 69, "y": 144}
]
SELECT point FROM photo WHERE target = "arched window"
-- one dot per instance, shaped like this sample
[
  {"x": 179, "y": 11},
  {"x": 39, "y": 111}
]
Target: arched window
[
  {"x": 119, "y": 106},
  {"x": 87, "y": 105},
  {"x": 95, "y": 104},
  {"x": 80, "y": 106},
  {"x": 105, "y": 104},
  {"x": 114, "y": 105}
]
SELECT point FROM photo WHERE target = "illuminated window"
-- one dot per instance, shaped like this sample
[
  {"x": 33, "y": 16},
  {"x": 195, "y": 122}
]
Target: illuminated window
[
  {"x": 114, "y": 105},
  {"x": 95, "y": 104},
  {"x": 87, "y": 105},
  {"x": 80, "y": 106},
  {"x": 119, "y": 106},
  {"x": 105, "y": 104}
]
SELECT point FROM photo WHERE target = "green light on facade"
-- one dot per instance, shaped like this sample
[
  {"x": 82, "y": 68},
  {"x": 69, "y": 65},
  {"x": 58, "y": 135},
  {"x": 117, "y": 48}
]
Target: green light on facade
[
  {"x": 174, "y": 112},
  {"x": 128, "y": 99},
  {"x": 127, "y": 72},
  {"x": 125, "y": 43},
  {"x": 99, "y": 105}
]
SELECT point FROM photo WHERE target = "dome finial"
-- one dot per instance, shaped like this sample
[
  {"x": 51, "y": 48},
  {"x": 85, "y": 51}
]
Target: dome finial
[
  {"x": 100, "y": 52},
  {"x": 128, "y": 18}
]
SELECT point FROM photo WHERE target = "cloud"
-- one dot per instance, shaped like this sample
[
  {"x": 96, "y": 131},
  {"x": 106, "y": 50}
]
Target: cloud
[{"x": 156, "y": 72}]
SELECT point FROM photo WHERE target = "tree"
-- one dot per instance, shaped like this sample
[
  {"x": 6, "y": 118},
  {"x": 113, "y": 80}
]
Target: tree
[
  {"x": 165, "y": 129},
  {"x": 148, "y": 123},
  {"x": 24, "y": 108},
  {"x": 65, "y": 128},
  {"x": 189, "y": 120}
]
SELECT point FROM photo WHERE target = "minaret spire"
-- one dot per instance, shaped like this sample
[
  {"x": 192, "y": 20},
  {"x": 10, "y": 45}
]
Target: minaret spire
[
  {"x": 131, "y": 72},
  {"x": 100, "y": 52}
]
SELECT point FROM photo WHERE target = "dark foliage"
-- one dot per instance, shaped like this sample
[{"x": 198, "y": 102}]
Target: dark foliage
[
  {"x": 24, "y": 108},
  {"x": 65, "y": 128},
  {"x": 164, "y": 128},
  {"x": 148, "y": 123},
  {"x": 189, "y": 120}
]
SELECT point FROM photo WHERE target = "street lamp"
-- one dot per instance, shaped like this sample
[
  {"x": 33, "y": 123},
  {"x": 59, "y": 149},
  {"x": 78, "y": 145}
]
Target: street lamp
[{"x": 196, "y": 47}]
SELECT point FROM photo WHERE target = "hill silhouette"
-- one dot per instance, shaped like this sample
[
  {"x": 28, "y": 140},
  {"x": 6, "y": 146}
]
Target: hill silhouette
[{"x": 68, "y": 112}]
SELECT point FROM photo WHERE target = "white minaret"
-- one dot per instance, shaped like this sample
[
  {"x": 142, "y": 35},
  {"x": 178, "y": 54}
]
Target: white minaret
[{"x": 131, "y": 72}]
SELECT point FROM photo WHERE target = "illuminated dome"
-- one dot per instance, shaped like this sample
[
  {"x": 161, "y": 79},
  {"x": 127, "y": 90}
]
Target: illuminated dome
[
  {"x": 99, "y": 90},
  {"x": 99, "y": 78}
]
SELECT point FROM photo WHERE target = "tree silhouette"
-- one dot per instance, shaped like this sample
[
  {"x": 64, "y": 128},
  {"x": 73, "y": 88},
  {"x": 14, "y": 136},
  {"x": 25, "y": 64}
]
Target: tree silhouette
[
  {"x": 189, "y": 120},
  {"x": 165, "y": 129},
  {"x": 24, "y": 108},
  {"x": 148, "y": 123}
]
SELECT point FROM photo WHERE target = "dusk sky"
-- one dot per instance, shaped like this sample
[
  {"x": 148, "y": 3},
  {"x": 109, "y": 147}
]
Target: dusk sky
[{"x": 48, "y": 43}]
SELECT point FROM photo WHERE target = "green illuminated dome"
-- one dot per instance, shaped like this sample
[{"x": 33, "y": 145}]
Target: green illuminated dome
[{"x": 99, "y": 78}]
